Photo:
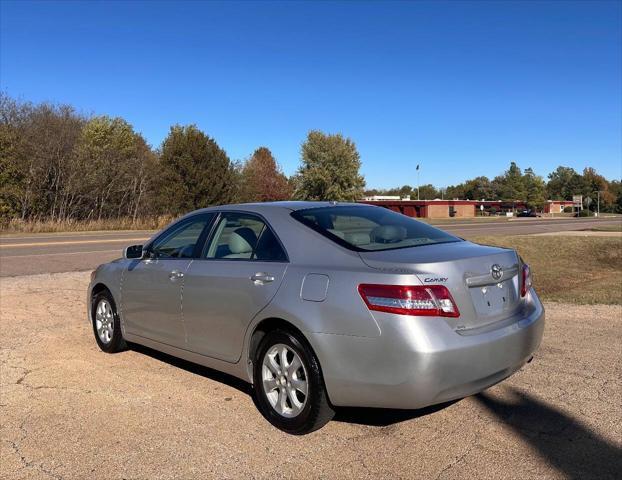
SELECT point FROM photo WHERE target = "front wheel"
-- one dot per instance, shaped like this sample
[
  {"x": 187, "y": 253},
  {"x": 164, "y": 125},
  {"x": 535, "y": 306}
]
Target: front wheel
[
  {"x": 106, "y": 323},
  {"x": 288, "y": 384}
]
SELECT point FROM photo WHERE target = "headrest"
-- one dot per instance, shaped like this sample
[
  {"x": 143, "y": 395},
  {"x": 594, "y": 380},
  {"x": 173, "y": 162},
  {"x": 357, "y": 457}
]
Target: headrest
[
  {"x": 337, "y": 233},
  {"x": 358, "y": 238},
  {"x": 242, "y": 240},
  {"x": 186, "y": 252},
  {"x": 388, "y": 233}
]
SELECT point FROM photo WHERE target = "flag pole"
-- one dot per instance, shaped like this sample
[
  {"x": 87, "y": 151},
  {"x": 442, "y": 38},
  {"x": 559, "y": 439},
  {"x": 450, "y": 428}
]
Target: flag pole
[{"x": 418, "y": 182}]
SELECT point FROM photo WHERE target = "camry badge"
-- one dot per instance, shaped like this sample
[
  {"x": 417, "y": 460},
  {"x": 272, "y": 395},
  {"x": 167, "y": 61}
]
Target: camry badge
[{"x": 496, "y": 271}]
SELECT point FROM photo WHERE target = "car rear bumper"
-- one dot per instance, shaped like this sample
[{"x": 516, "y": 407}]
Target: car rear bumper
[{"x": 419, "y": 361}]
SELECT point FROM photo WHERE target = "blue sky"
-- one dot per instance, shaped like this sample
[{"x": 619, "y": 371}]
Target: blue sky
[{"x": 461, "y": 88}]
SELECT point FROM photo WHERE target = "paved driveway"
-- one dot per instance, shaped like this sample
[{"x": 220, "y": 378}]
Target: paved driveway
[{"x": 69, "y": 411}]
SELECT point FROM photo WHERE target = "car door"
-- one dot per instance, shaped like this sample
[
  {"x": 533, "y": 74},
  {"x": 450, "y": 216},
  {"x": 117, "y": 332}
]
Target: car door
[
  {"x": 240, "y": 271},
  {"x": 151, "y": 288}
]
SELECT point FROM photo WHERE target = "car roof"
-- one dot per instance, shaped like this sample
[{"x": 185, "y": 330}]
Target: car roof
[{"x": 292, "y": 205}]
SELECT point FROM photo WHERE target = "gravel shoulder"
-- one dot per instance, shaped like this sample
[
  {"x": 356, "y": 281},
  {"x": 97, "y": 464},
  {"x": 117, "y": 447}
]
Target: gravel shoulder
[{"x": 68, "y": 410}]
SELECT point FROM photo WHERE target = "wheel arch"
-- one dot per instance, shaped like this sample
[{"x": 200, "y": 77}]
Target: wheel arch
[
  {"x": 267, "y": 325},
  {"x": 96, "y": 289}
]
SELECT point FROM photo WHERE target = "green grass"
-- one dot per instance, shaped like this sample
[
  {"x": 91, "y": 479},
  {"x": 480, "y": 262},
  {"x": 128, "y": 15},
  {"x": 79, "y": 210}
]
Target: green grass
[
  {"x": 584, "y": 270},
  {"x": 605, "y": 228}
]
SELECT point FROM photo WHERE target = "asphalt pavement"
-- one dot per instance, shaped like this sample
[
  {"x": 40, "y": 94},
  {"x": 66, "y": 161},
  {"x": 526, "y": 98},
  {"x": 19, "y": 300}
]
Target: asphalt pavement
[{"x": 27, "y": 254}]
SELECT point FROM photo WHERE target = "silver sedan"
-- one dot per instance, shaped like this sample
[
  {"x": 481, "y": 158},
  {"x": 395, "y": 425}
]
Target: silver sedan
[{"x": 321, "y": 305}]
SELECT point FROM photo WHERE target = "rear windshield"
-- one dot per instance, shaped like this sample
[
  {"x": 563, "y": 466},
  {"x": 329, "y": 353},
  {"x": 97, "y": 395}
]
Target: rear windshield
[{"x": 368, "y": 228}]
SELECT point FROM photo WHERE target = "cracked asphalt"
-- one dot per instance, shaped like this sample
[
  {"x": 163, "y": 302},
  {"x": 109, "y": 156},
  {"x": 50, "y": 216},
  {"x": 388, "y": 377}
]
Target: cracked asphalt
[{"x": 68, "y": 410}]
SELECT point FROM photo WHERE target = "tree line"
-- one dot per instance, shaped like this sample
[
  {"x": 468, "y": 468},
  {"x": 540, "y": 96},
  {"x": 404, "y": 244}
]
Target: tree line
[
  {"x": 57, "y": 164},
  {"x": 516, "y": 184}
]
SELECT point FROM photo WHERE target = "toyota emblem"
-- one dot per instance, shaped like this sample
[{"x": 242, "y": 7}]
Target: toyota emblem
[{"x": 496, "y": 271}]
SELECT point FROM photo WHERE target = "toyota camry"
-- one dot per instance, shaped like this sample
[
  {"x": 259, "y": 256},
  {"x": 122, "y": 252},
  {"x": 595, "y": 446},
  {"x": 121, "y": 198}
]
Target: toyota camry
[{"x": 321, "y": 304}]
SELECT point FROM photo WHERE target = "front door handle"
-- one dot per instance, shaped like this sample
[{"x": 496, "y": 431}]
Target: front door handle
[
  {"x": 260, "y": 278},
  {"x": 174, "y": 275}
]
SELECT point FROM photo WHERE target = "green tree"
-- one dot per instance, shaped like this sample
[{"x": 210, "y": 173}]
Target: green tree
[
  {"x": 13, "y": 155},
  {"x": 618, "y": 203},
  {"x": 36, "y": 157},
  {"x": 535, "y": 189},
  {"x": 565, "y": 182},
  {"x": 426, "y": 192},
  {"x": 595, "y": 183},
  {"x": 455, "y": 191},
  {"x": 479, "y": 188},
  {"x": 196, "y": 172},
  {"x": 106, "y": 154},
  {"x": 262, "y": 179},
  {"x": 476, "y": 189},
  {"x": 330, "y": 169},
  {"x": 403, "y": 191},
  {"x": 510, "y": 185}
]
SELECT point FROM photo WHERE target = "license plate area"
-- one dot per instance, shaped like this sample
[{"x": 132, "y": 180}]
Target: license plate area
[{"x": 495, "y": 299}]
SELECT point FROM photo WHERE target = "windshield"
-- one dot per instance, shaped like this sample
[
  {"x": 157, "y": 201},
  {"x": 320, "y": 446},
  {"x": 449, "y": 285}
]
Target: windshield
[{"x": 368, "y": 228}]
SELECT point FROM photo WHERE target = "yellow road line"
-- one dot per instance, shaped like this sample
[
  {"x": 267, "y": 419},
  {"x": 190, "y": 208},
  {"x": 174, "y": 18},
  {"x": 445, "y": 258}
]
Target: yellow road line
[{"x": 78, "y": 242}]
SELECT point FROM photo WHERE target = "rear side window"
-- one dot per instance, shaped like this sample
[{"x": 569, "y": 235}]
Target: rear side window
[
  {"x": 367, "y": 228},
  {"x": 269, "y": 248},
  {"x": 241, "y": 236}
]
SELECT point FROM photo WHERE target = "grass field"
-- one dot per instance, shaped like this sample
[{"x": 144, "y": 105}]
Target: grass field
[
  {"x": 47, "y": 226},
  {"x": 605, "y": 228},
  {"x": 585, "y": 270}
]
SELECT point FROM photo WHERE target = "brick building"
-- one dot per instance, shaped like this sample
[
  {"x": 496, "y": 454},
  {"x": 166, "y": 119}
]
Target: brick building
[
  {"x": 447, "y": 208},
  {"x": 557, "y": 206}
]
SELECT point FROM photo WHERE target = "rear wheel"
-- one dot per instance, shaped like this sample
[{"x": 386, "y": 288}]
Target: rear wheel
[
  {"x": 288, "y": 384},
  {"x": 106, "y": 323}
]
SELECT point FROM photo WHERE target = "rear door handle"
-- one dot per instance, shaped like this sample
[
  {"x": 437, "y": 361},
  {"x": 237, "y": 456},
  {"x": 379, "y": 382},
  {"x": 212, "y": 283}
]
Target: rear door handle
[
  {"x": 260, "y": 278},
  {"x": 174, "y": 275}
]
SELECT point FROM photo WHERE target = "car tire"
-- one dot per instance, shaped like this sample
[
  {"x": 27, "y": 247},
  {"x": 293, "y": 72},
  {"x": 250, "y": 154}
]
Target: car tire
[
  {"x": 293, "y": 398},
  {"x": 106, "y": 323}
]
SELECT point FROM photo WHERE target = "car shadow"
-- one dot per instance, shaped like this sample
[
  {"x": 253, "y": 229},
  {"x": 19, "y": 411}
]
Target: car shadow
[
  {"x": 567, "y": 444},
  {"x": 194, "y": 368},
  {"x": 379, "y": 417},
  {"x": 383, "y": 417}
]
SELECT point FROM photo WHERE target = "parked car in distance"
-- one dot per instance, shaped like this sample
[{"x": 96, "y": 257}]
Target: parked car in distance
[
  {"x": 528, "y": 213},
  {"x": 320, "y": 305}
]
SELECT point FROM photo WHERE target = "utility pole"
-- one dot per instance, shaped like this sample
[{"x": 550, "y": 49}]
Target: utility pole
[{"x": 598, "y": 203}]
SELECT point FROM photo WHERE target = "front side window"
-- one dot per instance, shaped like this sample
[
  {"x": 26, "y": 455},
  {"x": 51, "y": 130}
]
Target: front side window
[
  {"x": 180, "y": 240},
  {"x": 367, "y": 228},
  {"x": 244, "y": 236}
]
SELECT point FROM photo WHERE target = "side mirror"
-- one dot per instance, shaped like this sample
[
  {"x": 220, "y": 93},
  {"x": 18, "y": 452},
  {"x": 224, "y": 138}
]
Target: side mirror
[{"x": 133, "y": 251}]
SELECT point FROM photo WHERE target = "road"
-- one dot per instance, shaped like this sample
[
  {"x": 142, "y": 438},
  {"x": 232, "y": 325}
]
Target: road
[
  {"x": 70, "y": 411},
  {"x": 26, "y": 254},
  {"x": 50, "y": 253}
]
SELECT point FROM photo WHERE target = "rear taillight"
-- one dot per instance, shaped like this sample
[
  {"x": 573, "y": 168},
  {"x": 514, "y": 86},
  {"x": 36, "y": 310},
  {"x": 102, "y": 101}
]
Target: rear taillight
[
  {"x": 428, "y": 300},
  {"x": 525, "y": 280}
]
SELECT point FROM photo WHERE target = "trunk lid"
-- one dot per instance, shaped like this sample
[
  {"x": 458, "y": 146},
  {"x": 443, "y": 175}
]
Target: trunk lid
[{"x": 466, "y": 269}]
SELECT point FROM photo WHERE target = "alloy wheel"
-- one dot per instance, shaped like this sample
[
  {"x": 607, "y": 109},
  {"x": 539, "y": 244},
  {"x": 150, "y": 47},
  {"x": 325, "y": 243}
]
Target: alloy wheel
[
  {"x": 104, "y": 321},
  {"x": 284, "y": 380}
]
